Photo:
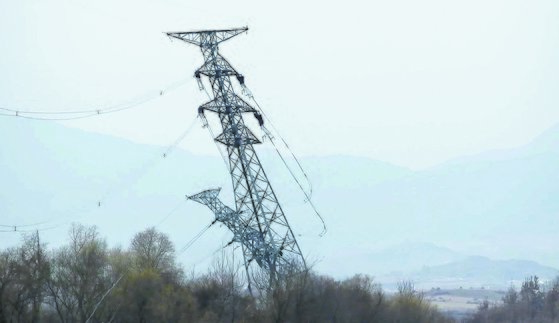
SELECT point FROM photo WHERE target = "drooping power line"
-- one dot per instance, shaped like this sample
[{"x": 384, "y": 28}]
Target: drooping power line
[
  {"x": 71, "y": 215},
  {"x": 65, "y": 115}
]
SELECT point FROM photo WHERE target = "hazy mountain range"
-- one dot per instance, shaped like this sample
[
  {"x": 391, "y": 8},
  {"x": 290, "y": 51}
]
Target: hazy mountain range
[
  {"x": 381, "y": 218},
  {"x": 449, "y": 269}
]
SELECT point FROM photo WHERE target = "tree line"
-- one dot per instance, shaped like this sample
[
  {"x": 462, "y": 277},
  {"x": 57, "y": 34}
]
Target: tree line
[
  {"x": 85, "y": 280},
  {"x": 533, "y": 303}
]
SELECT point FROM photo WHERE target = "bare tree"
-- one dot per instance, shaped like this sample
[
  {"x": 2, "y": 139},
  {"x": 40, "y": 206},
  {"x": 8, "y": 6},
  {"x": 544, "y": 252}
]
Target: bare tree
[
  {"x": 7, "y": 278},
  {"x": 153, "y": 250},
  {"x": 80, "y": 275},
  {"x": 153, "y": 289},
  {"x": 221, "y": 293},
  {"x": 24, "y": 271}
]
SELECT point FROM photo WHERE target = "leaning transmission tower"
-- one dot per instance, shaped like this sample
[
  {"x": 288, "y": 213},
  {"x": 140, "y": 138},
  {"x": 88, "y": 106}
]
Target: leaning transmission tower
[{"x": 257, "y": 221}]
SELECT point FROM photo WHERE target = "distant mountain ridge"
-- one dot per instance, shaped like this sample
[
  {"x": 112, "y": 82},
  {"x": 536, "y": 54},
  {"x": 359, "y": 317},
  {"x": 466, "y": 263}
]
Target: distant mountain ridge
[
  {"x": 547, "y": 142},
  {"x": 501, "y": 205},
  {"x": 472, "y": 267},
  {"x": 475, "y": 271}
]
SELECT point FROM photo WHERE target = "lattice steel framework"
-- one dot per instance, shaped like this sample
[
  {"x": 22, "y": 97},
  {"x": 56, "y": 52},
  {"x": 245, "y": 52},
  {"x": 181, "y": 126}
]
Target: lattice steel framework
[{"x": 258, "y": 222}]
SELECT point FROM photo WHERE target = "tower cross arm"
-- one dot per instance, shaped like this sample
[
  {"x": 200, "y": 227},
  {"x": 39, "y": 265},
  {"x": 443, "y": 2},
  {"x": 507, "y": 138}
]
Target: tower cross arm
[
  {"x": 207, "y": 37},
  {"x": 222, "y": 212}
]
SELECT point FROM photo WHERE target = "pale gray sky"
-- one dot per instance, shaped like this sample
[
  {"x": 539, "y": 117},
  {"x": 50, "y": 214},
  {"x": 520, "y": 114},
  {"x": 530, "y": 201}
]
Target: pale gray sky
[{"x": 410, "y": 82}]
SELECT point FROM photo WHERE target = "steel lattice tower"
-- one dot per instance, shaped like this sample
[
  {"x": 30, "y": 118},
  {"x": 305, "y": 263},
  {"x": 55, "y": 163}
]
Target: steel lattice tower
[{"x": 258, "y": 222}]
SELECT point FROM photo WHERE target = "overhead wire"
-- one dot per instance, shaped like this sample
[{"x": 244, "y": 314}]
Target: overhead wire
[
  {"x": 165, "y": 154},
  {"x": 308, "y": 198},
  {"x": 48, "y": 119},
  {"x": 23, "y": 225},
  {"x": 16, "y": 228},
  {"x": 152, "y": 163},
  {"x": 103, "y": 297},
  {"x": 307, "y": 195},
  {"x": 195, "y": 238},
  {"x": 82, "y": 114},
  {"x": 309, "y": 183},
  {"x": 205, "y": 257},
  {"x": 179, "y": 139},
  {"x": 207, "y": 125},
  {"x": 173, "y": 210},
  {"x": 30, "y": 230},
  {"x": 99, "y": 202},
  {"x": 218, "y": 250}
]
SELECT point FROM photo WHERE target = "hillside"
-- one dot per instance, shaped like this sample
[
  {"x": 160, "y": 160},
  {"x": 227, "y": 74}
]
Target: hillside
[
  {"x": 475, "y": 271},
  {"x": 500, "y": 206},
  {"x": 57, "y": 174}
]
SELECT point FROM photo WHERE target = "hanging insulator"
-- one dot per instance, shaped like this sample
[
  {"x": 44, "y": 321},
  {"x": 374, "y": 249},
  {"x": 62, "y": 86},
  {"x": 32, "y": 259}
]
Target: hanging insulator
[
  {"x": 241, "y": 79},
  {"x": 246, "y": 92},
  {"x": 267, "y": 134},
  {"x": 258, "y": 117},
  {"x": 204, "y": 120},
  {"x": 199, "y": 80},
  {"x": 201, "y": 110}
]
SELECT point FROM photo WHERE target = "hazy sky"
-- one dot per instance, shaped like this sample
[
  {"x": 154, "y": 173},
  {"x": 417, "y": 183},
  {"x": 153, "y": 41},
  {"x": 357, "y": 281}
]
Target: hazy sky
[{"x": 410, "y": 82}]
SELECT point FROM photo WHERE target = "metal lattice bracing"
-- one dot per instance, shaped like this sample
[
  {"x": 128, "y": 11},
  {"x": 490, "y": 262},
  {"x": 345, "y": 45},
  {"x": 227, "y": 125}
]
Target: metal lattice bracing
[{"x": 258, "y": 222}]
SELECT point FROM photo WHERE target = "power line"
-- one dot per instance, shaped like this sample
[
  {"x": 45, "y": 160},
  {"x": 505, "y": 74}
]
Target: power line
[
  {"x": 284, "y": 142},
  {"x": 308, "y": 198},
  {"x": 196, "y": 237},
  {"x": 18, "y": 115},
  {"x": 82, "y": 114},
  {"x": 173, "y": 210},
  {"x": 179, "y": 139},
  {"x": 15, "y": 229},
  {"x": 307, "y": 195},
  {"x": 23, "y": 225},
  {"x": 98, "y": 203},
  {"x": 103, "y": 297}
]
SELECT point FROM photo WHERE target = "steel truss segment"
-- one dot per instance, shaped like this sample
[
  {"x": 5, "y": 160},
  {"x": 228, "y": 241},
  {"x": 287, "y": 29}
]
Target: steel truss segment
[
  {"x": 260, "y": 250},
  {"x": 258, "y": 222},
  {"x": 237, "y": 135},
  {"x": 223, "y": 68},
  {"x": 219, "y": 105}
]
